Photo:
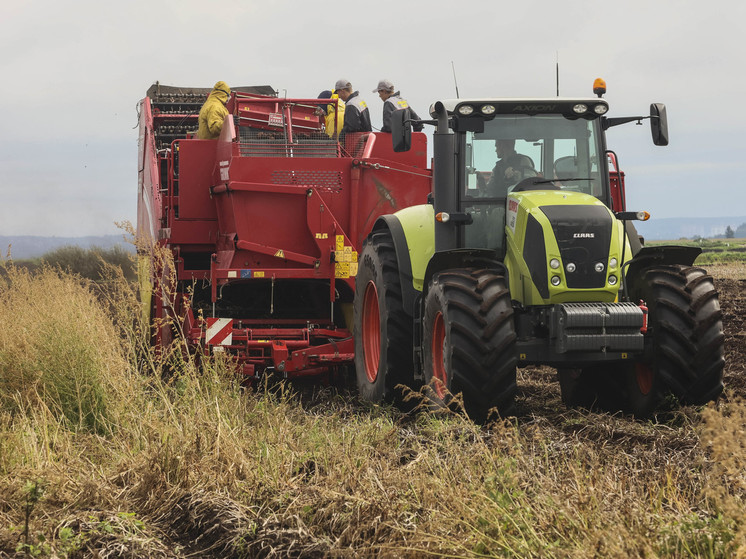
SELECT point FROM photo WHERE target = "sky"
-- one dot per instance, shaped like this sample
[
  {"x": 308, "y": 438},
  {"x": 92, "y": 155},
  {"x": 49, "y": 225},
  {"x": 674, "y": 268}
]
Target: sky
[{"x": 73, "y": 72}]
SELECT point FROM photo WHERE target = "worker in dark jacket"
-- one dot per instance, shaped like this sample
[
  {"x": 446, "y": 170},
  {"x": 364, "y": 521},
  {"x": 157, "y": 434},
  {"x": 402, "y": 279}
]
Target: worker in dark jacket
[
  {"x": 213, "y": 112},
  {"x": 357, "y": 116},
  {"x": 392, "y": 101}
]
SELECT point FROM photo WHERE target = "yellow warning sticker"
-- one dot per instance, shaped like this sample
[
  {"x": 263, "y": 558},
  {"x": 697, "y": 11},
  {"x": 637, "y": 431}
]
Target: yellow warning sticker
[
  {"x": 280, "y": 254},
  {"x": 342, "y": 270},
  {"x": 353, "y": 268},
  {"x": 258, "y": 274},
  {"x": 340, "y": 242}
]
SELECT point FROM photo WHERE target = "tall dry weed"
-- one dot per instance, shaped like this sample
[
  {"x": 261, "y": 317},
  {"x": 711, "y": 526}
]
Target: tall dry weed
[
  {"x": 58, "y": 349},
  {"x": 724, "y": 436}
]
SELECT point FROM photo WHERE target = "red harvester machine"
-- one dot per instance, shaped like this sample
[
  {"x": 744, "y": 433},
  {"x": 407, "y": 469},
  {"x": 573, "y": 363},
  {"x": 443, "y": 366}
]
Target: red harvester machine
[{"x": 264, "y": 225}]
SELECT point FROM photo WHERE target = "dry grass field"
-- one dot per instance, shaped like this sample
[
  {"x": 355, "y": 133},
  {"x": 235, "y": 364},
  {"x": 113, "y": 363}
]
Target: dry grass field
[{"x": 100, "y": 457}]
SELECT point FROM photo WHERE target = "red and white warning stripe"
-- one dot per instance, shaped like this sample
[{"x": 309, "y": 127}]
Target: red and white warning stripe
[{"x": 219, "y": 331}]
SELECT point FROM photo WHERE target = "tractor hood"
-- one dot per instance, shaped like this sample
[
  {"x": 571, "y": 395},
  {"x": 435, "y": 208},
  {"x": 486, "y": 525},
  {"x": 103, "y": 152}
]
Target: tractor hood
[{"x": 562, "y": 247}]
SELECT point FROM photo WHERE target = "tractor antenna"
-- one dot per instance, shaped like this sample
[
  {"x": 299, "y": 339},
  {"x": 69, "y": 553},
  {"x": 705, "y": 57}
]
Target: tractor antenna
[
  {"x": 453, "y": 67},
  {"x": 557, "y": 71}
]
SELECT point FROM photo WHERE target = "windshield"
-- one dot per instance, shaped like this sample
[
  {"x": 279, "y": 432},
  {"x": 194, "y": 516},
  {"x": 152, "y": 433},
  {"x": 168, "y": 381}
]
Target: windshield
[{"x": 551, "y": 148}]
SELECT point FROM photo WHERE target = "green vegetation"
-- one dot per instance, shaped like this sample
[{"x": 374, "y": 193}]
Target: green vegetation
[
  {"x": 91, "y": 263},
  {"x": 100, "y": 456}
]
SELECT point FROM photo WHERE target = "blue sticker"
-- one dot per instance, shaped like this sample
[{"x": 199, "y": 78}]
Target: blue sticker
[{"x": 245, "y": 274}]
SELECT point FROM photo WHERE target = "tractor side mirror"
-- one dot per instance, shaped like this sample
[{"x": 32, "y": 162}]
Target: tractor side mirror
[
  {"x": 401, "y": 130},
  {"x": 659, "y": 124}
]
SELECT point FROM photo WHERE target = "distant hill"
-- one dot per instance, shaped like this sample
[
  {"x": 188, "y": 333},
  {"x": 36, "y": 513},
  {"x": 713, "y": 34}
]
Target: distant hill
[
  {"x": 24, "y": 247},
  {"x": 688, "y": 227}
]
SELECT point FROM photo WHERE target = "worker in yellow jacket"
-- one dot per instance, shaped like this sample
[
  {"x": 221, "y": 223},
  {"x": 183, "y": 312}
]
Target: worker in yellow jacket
[
  {"x": 213, "y": 112},
  {"x": 329, "y": 114}
]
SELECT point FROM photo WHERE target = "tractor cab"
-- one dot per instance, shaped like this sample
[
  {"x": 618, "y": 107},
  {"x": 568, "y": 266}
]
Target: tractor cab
[{"x": 524, "y": 146}]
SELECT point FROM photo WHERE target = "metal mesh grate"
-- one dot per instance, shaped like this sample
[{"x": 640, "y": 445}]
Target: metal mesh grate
[
  {"x": 318, "y": 179},
  {"x": 263, "y": 143}
]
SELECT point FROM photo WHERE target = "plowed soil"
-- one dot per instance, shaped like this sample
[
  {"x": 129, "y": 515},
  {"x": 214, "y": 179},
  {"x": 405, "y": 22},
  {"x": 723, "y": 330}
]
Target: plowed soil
[{"x": 732, "y": 293}]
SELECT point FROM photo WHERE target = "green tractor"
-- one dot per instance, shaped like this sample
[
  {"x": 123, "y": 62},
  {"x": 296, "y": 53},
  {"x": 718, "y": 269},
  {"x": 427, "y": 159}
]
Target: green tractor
[{"x": 533, "y": 260}]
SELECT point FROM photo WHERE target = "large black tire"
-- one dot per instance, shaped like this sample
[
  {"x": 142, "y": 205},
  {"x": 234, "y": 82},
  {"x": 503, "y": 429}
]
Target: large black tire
[
  {"x": 469, "y": 342},
  {"x": 685, "y": 322},
  {"x": 383, "y": 331}
]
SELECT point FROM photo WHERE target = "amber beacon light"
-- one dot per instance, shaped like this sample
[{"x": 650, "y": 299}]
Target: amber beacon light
[{"x": 599, "y": 87}]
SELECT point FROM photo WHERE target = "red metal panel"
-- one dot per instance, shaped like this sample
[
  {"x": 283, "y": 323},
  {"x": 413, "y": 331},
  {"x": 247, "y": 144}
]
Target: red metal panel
[
  {"x": 196, "y": 163},
  {"x": 616, "y": 184}
]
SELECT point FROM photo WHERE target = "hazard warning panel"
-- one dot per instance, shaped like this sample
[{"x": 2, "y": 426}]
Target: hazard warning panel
[{"x": 219, "y": 331}]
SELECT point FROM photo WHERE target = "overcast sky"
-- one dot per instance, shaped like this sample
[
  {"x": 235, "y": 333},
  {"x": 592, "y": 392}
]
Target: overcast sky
[{"x": 74, "y": 71}]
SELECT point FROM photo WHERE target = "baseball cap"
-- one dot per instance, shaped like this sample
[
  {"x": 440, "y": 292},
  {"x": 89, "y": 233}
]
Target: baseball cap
[
  {"x": 342, "y": 84},
  {"x": 384, "y": 85}
]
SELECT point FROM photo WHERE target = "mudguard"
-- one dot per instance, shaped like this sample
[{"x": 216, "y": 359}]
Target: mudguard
[{"x": 414, "y": 238}]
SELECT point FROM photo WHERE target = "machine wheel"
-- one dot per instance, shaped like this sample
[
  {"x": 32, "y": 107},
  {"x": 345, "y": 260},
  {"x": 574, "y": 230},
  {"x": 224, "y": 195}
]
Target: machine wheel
[
  {"x": 685, "y": 322},
  {"x": 469, "y": 342},
  {"x": 383, "y": 331}
]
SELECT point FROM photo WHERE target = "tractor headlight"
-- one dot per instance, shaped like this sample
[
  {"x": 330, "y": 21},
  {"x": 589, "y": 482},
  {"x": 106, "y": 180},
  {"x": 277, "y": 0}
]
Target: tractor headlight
[
  {"x": 554, "y": 263},
  {"x": 488, "y": 109},
  {"x": 600, "y": 109},
  {"x": 612, "y": 280},
  {"x": 465, "y": 110},
  {"x": 570, "y": 267},
  {"x": 580, "y": 108},
  {"x": 556, "y": 281},
  {"x": 599, "y": 267}
]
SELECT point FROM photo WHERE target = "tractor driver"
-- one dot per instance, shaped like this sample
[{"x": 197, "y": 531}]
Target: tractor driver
[{"x": 510, "y": 169}]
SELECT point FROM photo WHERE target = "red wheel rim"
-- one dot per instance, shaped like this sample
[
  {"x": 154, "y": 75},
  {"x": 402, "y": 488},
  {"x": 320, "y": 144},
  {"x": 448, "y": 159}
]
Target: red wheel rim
[
  {"x": 371, "y": 332},
  {"x": 644, "y": 376},
  {"x": 438, "y": 356}
]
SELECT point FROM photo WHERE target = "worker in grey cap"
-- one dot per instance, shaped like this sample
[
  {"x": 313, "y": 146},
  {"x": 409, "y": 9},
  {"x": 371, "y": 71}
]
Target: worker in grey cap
[
  {"x": 357, "y": 115},
  {"x": 392, "y": 101}
]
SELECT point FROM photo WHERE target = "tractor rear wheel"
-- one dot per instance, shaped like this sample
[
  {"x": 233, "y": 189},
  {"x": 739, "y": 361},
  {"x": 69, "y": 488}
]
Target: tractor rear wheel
[
  {"x": 469, "y": 342},
  {"x": 685, "y": 322},
  {"x": 383, "y": 331}
]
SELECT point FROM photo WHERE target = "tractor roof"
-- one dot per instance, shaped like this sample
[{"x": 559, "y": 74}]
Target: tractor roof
[{"x": 528, "y": 106}]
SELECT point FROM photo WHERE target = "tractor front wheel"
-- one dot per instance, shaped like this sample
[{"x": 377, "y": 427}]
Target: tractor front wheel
[
  {"x": 469, "y": 342},
  {"x": 685, "y": 322}
]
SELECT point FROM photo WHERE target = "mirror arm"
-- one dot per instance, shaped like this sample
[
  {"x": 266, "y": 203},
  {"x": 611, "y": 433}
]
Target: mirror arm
[{"x": 609, "y": 122}]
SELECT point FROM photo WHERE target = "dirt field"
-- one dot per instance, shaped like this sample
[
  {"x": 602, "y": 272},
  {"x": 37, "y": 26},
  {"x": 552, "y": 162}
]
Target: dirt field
[{"x": 732, "y": 294}]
